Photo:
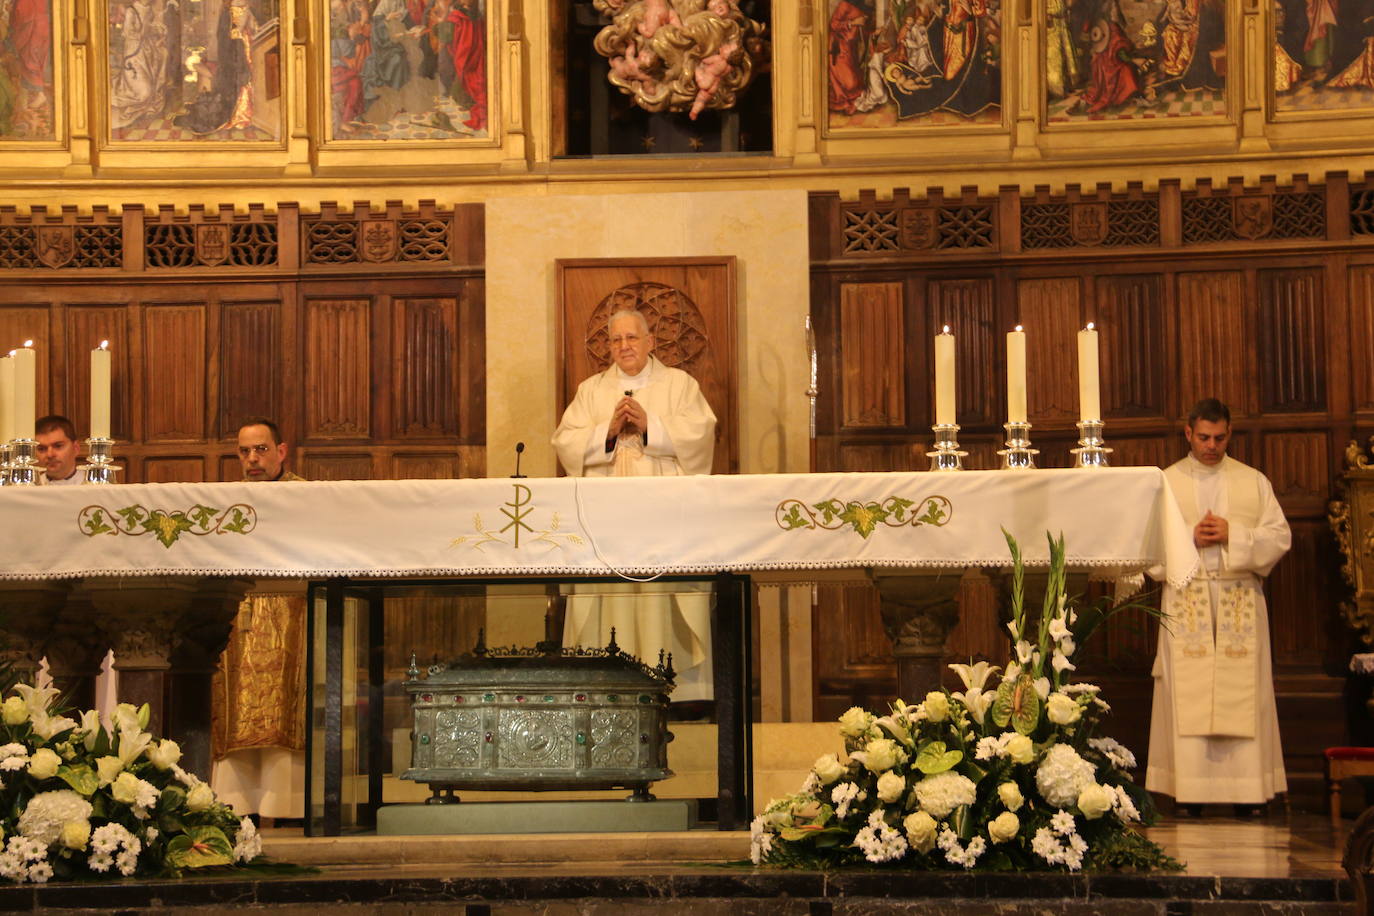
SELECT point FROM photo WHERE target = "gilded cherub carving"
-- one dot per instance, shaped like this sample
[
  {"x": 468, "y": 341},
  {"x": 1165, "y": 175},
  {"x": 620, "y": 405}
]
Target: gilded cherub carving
[{"x": 679, "y": 55}]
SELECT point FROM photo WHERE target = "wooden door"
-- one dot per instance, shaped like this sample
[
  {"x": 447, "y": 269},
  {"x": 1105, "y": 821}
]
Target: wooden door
[{"x": 690, "y": 306}]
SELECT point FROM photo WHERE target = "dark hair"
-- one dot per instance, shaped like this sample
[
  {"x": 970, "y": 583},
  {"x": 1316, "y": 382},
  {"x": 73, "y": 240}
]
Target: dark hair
[
  {"x": 1211, "y": 410},
  {"x": 54, "y": 421},
  {"x": 263, "y": 421}
]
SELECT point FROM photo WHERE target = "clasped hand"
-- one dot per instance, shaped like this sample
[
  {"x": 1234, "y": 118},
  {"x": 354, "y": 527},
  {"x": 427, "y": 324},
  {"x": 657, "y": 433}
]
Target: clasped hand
[
  {"x": 1213, "y": 529},
  {"x": 628, "y": 416}
]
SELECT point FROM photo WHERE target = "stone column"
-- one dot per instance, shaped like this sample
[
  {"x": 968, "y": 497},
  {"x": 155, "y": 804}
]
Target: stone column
[{"x": 29, "y": 613}]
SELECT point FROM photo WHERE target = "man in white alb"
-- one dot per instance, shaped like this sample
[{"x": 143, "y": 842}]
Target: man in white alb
[
  {"x": 57, "y": 451},
  {"x": 640, "y": 418},
  {"x": 1214, "y": 729}
]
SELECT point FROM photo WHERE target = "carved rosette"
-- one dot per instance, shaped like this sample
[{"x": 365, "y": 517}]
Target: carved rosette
[{"x": 675, "y": 321}]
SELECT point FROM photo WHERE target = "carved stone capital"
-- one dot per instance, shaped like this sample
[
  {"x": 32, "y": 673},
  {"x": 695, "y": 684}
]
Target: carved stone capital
[{"x": 919, "y": 610}]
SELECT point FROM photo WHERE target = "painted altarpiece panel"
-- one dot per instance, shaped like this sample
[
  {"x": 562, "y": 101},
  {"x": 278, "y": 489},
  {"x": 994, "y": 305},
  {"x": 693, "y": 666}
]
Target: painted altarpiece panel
[
  {"x": 409, "y": 69},
  {"x": 1323, "y": 55},
  {"x": 26, "y": 70},
  {"x": 913, "y": 63},
  {"x": 1134, "y": 60},
  {"x": 194, "y": 70}
]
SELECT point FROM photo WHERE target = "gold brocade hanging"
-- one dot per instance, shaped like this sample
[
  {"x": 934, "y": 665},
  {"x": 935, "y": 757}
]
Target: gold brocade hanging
[{"x": 259, "y": 689}]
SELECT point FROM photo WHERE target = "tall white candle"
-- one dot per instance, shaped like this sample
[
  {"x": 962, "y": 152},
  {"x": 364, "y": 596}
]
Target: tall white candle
[
  {"x": 1089, "y": 400},
  {"x": 1016, "y": 375},
  {"x": 6, "y": 398},
  {"x": 100, "y": 391},
  {"x": 25, "y": 390},
  {"x": 944, "y": 378}
]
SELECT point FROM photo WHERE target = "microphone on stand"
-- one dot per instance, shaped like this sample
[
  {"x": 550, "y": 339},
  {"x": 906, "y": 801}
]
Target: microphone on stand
[{"x": 519, "y": 448}]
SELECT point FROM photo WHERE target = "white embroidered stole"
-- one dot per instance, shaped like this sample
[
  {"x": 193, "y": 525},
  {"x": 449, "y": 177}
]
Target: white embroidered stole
[{"x": 1215, "y": 665}]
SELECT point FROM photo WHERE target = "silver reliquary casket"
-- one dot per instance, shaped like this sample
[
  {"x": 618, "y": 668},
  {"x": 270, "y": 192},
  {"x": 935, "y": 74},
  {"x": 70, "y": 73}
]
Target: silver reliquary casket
[{"x": 540, "y": 719}]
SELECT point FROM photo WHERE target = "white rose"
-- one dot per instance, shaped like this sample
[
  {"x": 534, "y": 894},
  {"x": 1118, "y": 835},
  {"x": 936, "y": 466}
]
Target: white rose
[
  {"x": 75, "y": 834},
  {"x": 44, "y": 763},
  {"x": 1004, "y": 827},
  {"x": 890, "y": 787},
  {"x": 882, "y": 754},
  {"x": 920, "y": 831},
  {"x": 200, "y": 797},
  {"x": 1010, "y": 793},
  {"x": 828, "y": 769},
  {"x": 1064, "y": 709},
  {"x": 108, "y": 769},
  {"x": 125, "y": 788},
  {"x": 1094, "y": 801},
  {"x": 1020, "y": 749},
  {"x": 855, "y": 722},
  {"x": 15, "y": 711},
  {"x": 164, "y": 754},
  {"x": 937, "y": 706}
]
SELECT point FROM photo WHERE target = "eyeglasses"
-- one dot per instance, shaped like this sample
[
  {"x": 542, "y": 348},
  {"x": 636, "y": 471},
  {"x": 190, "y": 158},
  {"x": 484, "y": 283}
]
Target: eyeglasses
[{"x": 246, "y": 450}]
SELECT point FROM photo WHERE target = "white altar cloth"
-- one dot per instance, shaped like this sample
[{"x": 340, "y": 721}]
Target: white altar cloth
[{"x": 1116, "y": 521}]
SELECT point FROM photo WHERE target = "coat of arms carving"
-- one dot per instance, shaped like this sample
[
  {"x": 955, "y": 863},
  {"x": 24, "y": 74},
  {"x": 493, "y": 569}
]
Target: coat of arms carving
[
  {"x": 918, "y": 228},
  {"x": 1253, "y": 216},
  {"x": 212, "y": 244},
  {"x": 1088, "y": 222},
  {"x": 377, "y": 240},
  {"x": 56, "y": 245}
]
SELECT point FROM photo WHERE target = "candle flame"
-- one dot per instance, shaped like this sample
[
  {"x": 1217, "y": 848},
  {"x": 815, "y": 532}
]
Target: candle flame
[
  {"x": 104, "y": 345},
  {"x": 1019, "y": 328},
  {"x": 28, "y": 343},
  {"x": 1090, "y": 327},
  {"x": 946, "y": 330}
]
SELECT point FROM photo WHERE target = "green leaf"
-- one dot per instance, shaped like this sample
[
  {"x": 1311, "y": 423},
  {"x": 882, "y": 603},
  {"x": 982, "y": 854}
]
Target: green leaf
[
  {"x": 933, "y": 514},
  {"x": 863, "y": 517},
  {"x": 238, "y": 522},
  {"x": 202, "y": 515},
  {"x": 81, "y": 778},
  {"x": 829, "y": 510},
  {"x": 933, "y": 758},
  {"x": 95, "y": 524},
  {"x": 199, "y": 847},
  {"x": 794, "y": 518},
  {"x": 898, "y": 507},
  {"x": 171, "y": 800},
  {"x": 166, "y": 526},
  {"x": 802, "y": 834}
]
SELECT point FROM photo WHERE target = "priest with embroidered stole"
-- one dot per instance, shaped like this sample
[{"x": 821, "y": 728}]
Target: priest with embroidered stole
[
  {"x": 1214, "y": 730},
  {"x": 640, "y": 418}
]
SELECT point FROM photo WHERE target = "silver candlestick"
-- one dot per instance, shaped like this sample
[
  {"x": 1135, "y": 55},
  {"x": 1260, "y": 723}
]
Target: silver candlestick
[
  {"x": 1091, "y": 453},
  {"x": 1018, "y": 454},
  {"x": 5, "y": 454},
  {"x": 99, "y": 466},
  {"x": 23, "y": 465},
  {"x": 947, "y": 456}
]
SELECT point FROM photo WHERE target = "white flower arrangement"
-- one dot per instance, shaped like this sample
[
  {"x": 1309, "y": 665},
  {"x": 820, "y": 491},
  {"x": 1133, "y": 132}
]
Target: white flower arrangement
[
  {"x": 1008, "y": 773},
  {"x": 79, "y": 801}
]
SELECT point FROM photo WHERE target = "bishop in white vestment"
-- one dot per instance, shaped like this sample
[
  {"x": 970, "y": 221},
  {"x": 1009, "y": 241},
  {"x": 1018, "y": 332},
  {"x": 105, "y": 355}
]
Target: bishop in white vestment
[
  {"x": 1214, "y": 729},
  {"x": 640, "y": 418}
]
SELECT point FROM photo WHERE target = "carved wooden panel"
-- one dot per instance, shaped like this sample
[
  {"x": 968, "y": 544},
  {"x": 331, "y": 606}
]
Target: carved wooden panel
[
  {"x": 337, "y": 369},
  {"x": 872, "y": 354},
  {"x": 174, "y": 385},
  {"x": 1130, "y": 310},
  {"x": 689, "y": 304},
  {"x": 425, "y": 370},
  {"x": 174, "y": 470},
  {"x": 426, "y": 467},
  {"x": 1212, "y": 339},
  {"x": 334, "y": 466},
  {"x": 231, "y": 469},
  {"x": 1146, "y": 452},
  {"x": 18, "y": 324},
  {"x": 1051, "y": 310},
  {"x": 883, "y": 457},
  {"x": 1292, "y": 340},
  {"x": 1298, "y": 466},
  {"x": 853, "y": 657},
  {"x": 966, "y": 305},
  {"x": 1300, "y": 637},
  {"x": 248, "y": 337},
  {"x": 1362, "y": 340},
  {"x": 86, "y": 327}
]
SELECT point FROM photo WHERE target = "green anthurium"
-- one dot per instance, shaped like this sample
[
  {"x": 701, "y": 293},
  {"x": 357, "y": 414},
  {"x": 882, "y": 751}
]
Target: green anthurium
[
  {"x": 1017, "y": 704},
  {"x": 81, "y": 778},
  {"x": 200, "y": 847},
  {"x": 934, "y": 758}
]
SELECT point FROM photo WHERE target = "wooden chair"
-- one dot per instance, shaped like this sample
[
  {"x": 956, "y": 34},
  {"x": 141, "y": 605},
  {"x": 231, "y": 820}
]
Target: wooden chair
[{"x": 1342, "y": 762}]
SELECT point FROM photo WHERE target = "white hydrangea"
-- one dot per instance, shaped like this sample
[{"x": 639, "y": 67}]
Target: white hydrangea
[
  {"x": 942, "y": 793},
  {"x": 1062, "y": 775},
  {"x": 248, "y": 846},
  {"x": 1117, "y": 754},
  {"x": 46, "y": 812},
  {"x": 879, "y": 841},
  {"x": 956, "y": 854}
]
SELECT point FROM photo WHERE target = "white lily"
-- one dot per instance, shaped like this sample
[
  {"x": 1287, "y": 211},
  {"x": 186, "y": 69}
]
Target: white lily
[
  {"x": 37, "y": 699},
  {"x": 975, "y": 677},
  {"x": 977, "y": 701},
  {"x": 132, "y": 744},
  {"x": 1061, "y": 662}
]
